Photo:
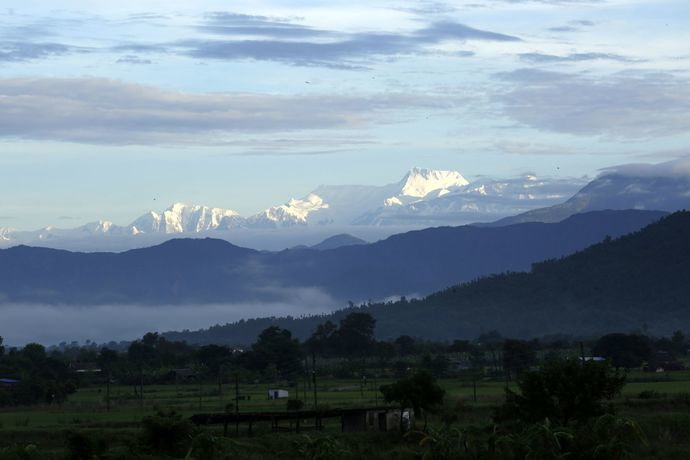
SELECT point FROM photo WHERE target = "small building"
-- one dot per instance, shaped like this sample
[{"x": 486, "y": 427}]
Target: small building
[
  {"x": 183, "y": 373},
  {"x": 85, "y": 368},
  {"x": 663, "y": 361},
  {"x": 376, "y": 420},
  {"x": 597, "y": 359},
  {"x": 275, "y": 393},
  {"x": 458, "y": 367}
]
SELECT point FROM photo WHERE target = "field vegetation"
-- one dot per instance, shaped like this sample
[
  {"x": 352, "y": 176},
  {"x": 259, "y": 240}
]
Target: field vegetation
[{"x": 491, "y": 398}]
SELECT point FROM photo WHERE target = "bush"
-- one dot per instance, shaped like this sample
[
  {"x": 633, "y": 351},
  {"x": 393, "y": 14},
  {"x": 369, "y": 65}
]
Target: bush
[
  {"x": 562, "y": 391},
  {"x": 79, "y": 446},
  {"x": 649, "y": 394},
  {"x": 166, "y": 433},
  {"x": 295, "y": 404}
]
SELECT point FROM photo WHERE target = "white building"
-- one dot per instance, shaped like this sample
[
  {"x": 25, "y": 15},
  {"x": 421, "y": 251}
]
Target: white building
[{"x": 275, "y": 393}]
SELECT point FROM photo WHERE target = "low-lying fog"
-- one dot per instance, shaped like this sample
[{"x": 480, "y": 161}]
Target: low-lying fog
[{"x": 50, "y": 325}]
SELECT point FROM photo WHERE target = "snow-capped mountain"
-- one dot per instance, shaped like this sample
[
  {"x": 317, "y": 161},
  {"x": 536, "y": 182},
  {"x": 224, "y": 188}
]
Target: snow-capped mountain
[
  {"x": 183, "y": 218},
  {"x": 423, "y": 197},
  {"x": 419, "y": 183},
  {"x": 295, "y": 212},
  {"x": 5, "y": 233},
  {"x": 343, "y": 204},
  {"x": 482, "y": 200}
]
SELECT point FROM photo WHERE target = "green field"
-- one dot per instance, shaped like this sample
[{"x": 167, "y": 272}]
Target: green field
[
  {"x": 660, "y": 402},
  {"x": 86, "y": 409}
]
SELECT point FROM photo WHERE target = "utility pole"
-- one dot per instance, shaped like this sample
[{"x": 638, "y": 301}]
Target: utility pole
[
  {"x": 141, "y": 386},
  {"x": 200, "y": 393},
  {"x": 237, "y": 403},
  {"x": 582, "y": 353},
  {"x": 220, "y": 381},
  {"x": 306, "y": 383},
  {"x": 313, "y": 379},
  {"x": 376, "y": 393},
  {"x": 107, "y": 392},
  {"x": 198, "y": 376}
]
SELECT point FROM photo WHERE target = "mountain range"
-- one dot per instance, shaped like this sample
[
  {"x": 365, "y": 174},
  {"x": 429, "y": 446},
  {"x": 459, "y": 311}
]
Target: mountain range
[
  {"x": 615, "y": 191},
  {"x": 638, "y": 282},
  {"x": 199, "y": 271},
  {"x": 422, "y": 198}
]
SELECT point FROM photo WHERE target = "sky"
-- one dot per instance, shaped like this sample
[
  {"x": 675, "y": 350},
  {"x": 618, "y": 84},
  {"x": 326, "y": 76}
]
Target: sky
[{"x": 111, "y": 109}]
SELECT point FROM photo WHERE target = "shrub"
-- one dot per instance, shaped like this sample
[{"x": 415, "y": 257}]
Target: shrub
[{"x": 166, "y": 433}]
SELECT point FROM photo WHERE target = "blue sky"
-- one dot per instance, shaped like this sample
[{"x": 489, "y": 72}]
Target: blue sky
[{"x": 109, "y": 111}]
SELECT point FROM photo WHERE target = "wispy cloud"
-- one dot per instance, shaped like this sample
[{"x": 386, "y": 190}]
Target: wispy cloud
[
  {"x": 262, "y": 38},
  {"x": 623, "y": 105},
  {"x": 540, "y": 58},
  {"x": 674, "y": 168},
  {"x": 133, "y": 59},
  {"x": 257, "y": 26},
  {"x": 20, "y": 51},
  {"x": 103, "y": 111}
]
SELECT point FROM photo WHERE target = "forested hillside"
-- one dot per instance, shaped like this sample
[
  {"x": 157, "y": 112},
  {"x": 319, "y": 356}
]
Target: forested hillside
[{"x": 636, "y": 282}]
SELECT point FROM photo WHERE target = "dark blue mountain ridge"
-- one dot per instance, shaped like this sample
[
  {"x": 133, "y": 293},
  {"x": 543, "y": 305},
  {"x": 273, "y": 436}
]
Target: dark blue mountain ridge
[
  {"x": 615, "y": 191},
  {"x": 199, "y": 271},
  {"x": 637, "y": 282}
]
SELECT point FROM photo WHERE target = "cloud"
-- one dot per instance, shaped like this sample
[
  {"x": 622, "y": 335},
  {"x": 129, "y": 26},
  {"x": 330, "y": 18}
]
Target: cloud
[
  {"x": 447, "y": 30},
  {"x": 556, "y": 2},
  {"x": 674, "y": 168},
  {"x": 563, "y": 29},
  {"x": 539, "y": 58},
  {"x": 234, "y": 36},
  {"x": 262, "y": 26},
  {"x": 532, "y": 148},
  {"x": 50, "y": 324},
  {"x": 633, "y": 105},
  {"x": 133, "y": 59},
  {"x": 19, "y": 51},
  {"x": 262, "y": 38},
  {"x": 100, "y": 111},
  {"x": 428, "y": 7}
]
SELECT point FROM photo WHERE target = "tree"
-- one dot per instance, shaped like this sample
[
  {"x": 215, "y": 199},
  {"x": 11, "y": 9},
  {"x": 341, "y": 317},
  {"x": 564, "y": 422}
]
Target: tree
[
  {"x": 214, "y": 357},
  {"x": 2, "y": 348},
  {"x": 275, "y": 347},
  {"x": 385, "y": 352},
  {"x": 405, "y": 345},
  {"x": 355, "y": 336},
  {"x": 460, "y": 346},
  {"x": 321, "y": 341},
  {"x": 419, "y": 391},
  {"x": 35, "y": 353},
  {"x": 438, "y": 365},
  {"x": 624, "y": 350},
  {"x": 518, "y": 356},
  {"x": 562, "y": 391},
  {"x": 107, "y": 360},
  {"x": 679, "y": 341}
]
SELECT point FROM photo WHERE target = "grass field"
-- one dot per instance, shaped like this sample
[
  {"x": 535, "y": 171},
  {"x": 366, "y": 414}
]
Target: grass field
[
  {"x": 662, "y": 414},
  {"x": 87, "y": 407}
]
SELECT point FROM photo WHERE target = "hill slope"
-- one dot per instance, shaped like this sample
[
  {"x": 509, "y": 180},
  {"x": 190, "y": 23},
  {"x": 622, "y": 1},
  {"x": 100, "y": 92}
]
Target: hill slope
[
  {"x": 214, "y": 271},
  {"x": 614, "y": 191},
  {"x": 638, "y": 281}
]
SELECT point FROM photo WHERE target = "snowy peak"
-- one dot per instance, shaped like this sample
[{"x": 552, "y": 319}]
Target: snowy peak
[
  {"x": 294, "y": 212},
  {"x": 181, "y": 218},
  {"x": 5, "y": 234},
  {"x": 419, "y": 182},
  {"x": 98, "y": 227}
]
